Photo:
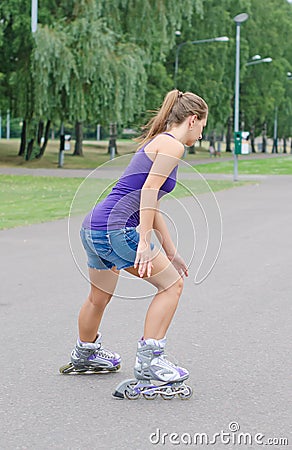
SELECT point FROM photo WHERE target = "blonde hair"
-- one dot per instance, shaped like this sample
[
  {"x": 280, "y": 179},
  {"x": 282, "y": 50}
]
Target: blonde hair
[{"x": 176, "y": 107}]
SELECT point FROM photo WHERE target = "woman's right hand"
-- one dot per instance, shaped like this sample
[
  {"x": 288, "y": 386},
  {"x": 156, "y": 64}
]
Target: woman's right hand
[{"x": 143, "y": 259}]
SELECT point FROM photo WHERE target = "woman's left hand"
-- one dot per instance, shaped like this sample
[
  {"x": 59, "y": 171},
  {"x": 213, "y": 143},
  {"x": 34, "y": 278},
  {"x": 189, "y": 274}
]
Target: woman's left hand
[{"x": 179, "y": 264}]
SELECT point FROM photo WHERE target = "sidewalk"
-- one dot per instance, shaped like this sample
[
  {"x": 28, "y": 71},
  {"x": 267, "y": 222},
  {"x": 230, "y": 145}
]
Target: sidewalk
[
  {"x": 111, "y": 173},
  {"x": 106, "y": 172}
]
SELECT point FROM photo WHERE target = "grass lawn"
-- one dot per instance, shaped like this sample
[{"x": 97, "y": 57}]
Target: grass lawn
[
  {"x": 281, "y": 165},
  {"x": 95, "y": 154},
  {"x": 30, "y": 199}
]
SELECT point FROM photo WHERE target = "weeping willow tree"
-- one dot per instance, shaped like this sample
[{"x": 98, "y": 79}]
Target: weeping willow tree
[
  {"x": 16, "y": 87},
  {"x": 93, "y": 63},
  {"x": 82, "y": 72},
  {"x": 88, "y": 60},
  {"x": 151, "y": 24}
]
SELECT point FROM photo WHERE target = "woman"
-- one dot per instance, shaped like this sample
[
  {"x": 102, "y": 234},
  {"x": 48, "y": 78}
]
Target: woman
[{"x": 112, "y": 243}]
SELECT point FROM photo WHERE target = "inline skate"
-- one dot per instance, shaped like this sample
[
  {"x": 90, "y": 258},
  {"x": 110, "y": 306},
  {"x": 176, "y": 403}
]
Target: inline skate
[
  {"x": 91, "y": 357},
  {"x": 155, "y": 375}
]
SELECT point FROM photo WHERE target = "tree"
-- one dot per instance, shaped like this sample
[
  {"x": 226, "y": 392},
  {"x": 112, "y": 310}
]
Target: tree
[
  {"x": 208, "y": 69},
  {"x": 15, "y": 49},
  {"x": 263, "y": 86},
  {"x": 87, "y": 60},
  {"x": 105, "y": 61},
  {"x": 203, "y": 68}
]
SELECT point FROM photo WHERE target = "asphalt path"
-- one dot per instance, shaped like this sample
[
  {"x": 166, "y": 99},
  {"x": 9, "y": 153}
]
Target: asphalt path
[{"x": 232, "y": 331}]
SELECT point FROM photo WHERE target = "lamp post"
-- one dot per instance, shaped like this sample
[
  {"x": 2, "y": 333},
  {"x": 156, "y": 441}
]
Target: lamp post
[
  {"x": 34, "y": 15},
  {"x": 289, "y": 78},
  {"x": 8, "y": 125},
  {"x": 201, "y": 41},
  {"x": 275, "y": 134},
  {"x": 257, "y": 59},
  {"x": 239, "y": 19}
]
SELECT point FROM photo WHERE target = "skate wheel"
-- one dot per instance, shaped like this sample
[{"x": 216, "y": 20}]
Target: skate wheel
[
  {"x": 104, "y": 369},
  {"x": 168, "y": 394},
  {"x": 167, "y": 397},
  {"x": 150, "y": 395},
  {"x": 186, "y": 394},
  {"x": 68, "y": 368},
  {"x": 130, "y": 393},
  {"x": 116, "y": 368}
]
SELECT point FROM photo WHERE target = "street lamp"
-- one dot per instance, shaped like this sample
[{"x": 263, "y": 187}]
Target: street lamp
[
  {"x": 201, "y": 41},
  {"x": 239, "y": 19},
  {"x": 257, "y": 59}
]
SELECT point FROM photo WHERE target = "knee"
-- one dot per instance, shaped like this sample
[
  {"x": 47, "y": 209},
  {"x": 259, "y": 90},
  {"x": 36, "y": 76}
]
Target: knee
[
  {"x": 177, "y": 287},
  {"x": 179, "y": 284},
  {"x": 98, "y": 298}
]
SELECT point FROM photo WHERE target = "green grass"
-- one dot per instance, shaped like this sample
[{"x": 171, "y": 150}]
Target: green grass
[
  {"x": 281, "y": 165},
  {"x": 29, "y": 199},
  {"x": 185, "y": 188},
  {"x": 95, "y": 154}
]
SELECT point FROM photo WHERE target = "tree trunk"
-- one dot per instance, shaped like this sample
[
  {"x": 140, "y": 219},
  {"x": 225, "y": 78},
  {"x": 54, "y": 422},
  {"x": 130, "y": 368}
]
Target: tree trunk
[
  {"x": 212, "y": 148},
  {"x": 251, "y": 135},
  {"x": 275, "y": 145},
  {"x": 79, "y": 139},
  {"x": 192, "y": 150},
  {"x": 264, "y": 141},
  {"x": 22, "y": 139},
  {"x": 112, "y": 145},
  {"x": 62, "y": 146},
  {"x": 29, "y": 150},
  {"x": 228, "y": 135},
  {"x": 40, "y": 132},
  {"x": 284, "y": 144},
  {"x": 46, "y": 138}
]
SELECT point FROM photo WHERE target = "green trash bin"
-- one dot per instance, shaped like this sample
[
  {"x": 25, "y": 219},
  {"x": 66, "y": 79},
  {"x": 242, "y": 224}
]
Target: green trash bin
[{"x": 237, "y": 142}]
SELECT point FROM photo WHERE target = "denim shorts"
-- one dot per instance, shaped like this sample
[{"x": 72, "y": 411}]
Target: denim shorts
[{"x": 108, "y": 248}]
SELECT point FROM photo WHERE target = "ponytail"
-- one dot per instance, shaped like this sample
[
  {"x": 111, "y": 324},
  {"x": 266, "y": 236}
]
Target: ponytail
[{"x": 176, "y": 107}]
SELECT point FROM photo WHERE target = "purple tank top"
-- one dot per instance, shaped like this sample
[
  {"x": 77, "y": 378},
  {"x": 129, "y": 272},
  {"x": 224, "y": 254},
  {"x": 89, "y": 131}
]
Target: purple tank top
[{"x": 121, "y": 208}]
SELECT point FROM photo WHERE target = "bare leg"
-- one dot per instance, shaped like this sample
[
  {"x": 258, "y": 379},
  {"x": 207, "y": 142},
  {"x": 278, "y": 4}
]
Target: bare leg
[
  {"x": 163, "y": 306},
  {"x": 103, "y": 283}
]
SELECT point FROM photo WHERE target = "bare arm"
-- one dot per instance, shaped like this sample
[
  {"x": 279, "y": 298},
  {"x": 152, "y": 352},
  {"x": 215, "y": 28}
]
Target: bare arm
[
  {"x": 164, "y": 238},
  {"x": 163, "y": 235}
]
